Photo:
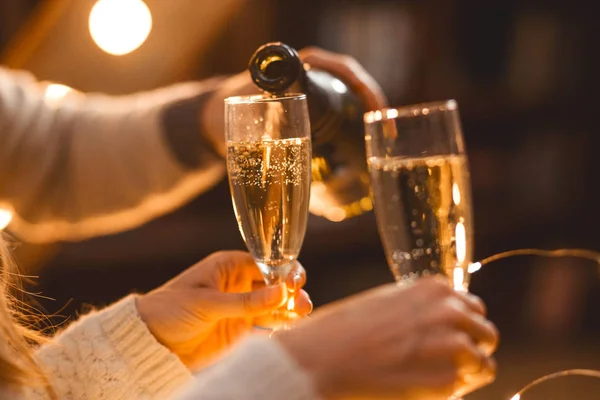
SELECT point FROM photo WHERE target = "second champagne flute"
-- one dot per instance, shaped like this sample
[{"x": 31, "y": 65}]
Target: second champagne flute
[
  {"x": 269, "y": 169},
  {"x": 421, "y": 189}
]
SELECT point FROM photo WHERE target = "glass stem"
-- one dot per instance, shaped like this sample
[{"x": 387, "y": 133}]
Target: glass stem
[{"x": 285, "y": 314}]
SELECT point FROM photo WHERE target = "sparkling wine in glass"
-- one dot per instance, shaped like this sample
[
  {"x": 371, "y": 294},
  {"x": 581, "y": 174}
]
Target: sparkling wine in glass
[
  {"x": 269, "y": 169},
  {"x": 421, "y": 189}
]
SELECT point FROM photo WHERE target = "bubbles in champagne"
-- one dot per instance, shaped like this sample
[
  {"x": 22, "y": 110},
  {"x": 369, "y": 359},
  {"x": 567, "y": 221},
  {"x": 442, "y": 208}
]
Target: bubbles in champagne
[
  {"x": 270, "y": 188},
  {"x": 258, "y": 163},
  {"x": 423, "y": 211}
]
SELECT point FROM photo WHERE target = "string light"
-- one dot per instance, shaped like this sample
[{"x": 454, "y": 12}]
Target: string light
[
  {"x": 579, "y": 253},
  {"x": 120, "y": 26},
  {"x": 591, "y": 373},
  {"x": 476, "y": 266}
]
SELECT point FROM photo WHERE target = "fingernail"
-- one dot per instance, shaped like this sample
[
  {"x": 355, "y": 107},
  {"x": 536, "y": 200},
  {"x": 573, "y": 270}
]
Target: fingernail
[{"x": 297, "y": 281}]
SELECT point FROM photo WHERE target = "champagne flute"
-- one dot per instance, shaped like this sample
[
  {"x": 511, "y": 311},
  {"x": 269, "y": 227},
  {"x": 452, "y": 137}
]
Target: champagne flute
[
  {"x": 421, "y": 191},
  {"x": 269, "y": 169}
]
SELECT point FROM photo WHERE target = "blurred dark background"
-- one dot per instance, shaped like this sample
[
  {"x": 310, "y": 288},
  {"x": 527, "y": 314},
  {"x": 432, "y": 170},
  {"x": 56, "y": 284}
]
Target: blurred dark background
[{"x": 525, "y": 74}]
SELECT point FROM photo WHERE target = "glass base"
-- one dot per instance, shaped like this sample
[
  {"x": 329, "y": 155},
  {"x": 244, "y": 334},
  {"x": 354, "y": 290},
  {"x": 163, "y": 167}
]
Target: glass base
[{"x": 282, "y": 319}]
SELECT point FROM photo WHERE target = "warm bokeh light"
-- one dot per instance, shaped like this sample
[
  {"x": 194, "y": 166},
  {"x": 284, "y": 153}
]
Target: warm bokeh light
[
  {"x": 291, "y": 304},
  {"x": 460, "y": 235},
  {"x": 56, "y": 91},
  {"x": 120, "y": 26},
  {"x": 458, "y": 278},
  {"x": 335, "y": 214},
  {"x": 456, "y": 194},
  {"x": 5, "y": 218},
  {"x": 339, "y": 86}
]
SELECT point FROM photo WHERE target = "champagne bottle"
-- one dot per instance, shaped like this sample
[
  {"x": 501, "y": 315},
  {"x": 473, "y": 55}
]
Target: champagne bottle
[{"x": 340, "y": 179}]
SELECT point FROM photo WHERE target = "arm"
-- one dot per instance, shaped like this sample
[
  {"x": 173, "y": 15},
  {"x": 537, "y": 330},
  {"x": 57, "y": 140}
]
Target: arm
[
  {"x": 111, "y": 355},
  {"x": 115, "y": 353},
  {"x": 258, "y": 368},
  {"x": 97, "y": 164},
  {"x": 93, "y": 165},
  {"x": 420, "y": 342}
]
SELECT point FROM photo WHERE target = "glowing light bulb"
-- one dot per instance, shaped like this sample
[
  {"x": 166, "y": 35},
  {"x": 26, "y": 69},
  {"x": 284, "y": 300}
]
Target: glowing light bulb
[
  {"x": 516, "y": 397},
  {"x": 474, "y": 267},
  {"x": 120, "y": 26},
  {"x": 5, "y": 218},
  {"x": 392, "y": 113}
]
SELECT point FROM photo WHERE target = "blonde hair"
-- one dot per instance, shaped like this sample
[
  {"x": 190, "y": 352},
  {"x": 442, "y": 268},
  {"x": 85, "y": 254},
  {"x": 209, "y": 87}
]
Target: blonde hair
[{"x": 18, "y": 366}]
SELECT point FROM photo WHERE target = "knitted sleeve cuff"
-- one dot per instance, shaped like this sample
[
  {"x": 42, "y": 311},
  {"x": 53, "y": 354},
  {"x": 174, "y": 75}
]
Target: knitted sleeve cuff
[
  {"x": 152, "y": 365},
  {"x": 183, "y": 132},
  {"x": 258, "y": 368}
]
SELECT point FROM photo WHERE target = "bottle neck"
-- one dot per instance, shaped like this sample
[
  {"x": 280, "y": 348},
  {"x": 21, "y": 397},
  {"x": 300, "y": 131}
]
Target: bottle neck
[
  {"x": 274, "y": 67},
  {"x": 323, "y": 103}
]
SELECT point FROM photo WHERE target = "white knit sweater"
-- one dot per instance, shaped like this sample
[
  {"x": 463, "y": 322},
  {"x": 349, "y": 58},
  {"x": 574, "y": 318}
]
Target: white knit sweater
[
  {"x": 111, "y": 355},
  {"x": 92, "y": 165}
]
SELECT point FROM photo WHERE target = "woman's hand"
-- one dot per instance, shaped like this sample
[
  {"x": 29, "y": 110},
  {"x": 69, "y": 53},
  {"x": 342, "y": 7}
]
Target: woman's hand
[
  {"x": 347, "y": 69},
  {"x": 344, "y": 67},
  {"x": 209, "y": 306},
  {"x": 422, "y": 342}
]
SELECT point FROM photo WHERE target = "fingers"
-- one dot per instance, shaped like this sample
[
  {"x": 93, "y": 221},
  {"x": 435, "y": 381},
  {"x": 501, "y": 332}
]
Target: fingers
[
  {"x": 454, "y": 313},
  {"x": 224, "y": 270},
  {"x": 455, "y": 310},
  {"x": 430, "y": 383},
  {"x": 239, "y": 289},
  {"x": 473, "y": 302},
  {"x": 236, "y": 265},
  {"x": 350, "y": 71},
  {"x": 296, "y": 278},
  {"x": 302, "y": 305},
  {"x": 294, "y": 281},
  {"x": 457, "y": 330},
  {"x": 416, "y": 380},
  {"x": 472, "y": 382},
  {"x": 483, "y": 332},
  {"x": 240, "y": 270},
  {"x": 256, "y": 303},
  {"x": 244, "y": 305},
  {"x": 442, "y": 382},
  {"x": 454, "y": 346},
  {"x": 454, "y": 363}
]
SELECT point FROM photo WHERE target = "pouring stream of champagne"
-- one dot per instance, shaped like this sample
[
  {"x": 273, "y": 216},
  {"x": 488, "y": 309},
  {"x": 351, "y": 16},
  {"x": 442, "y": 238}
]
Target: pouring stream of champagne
[{"x": 579, "y": 253}]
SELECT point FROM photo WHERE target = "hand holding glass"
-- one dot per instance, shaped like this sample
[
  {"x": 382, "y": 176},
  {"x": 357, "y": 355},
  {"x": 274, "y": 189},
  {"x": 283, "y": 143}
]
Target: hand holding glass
[{"x": 421, "y": 190}]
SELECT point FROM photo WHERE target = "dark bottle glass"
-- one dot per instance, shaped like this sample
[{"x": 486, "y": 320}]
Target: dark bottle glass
[{"x": 340, "y": 179}]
